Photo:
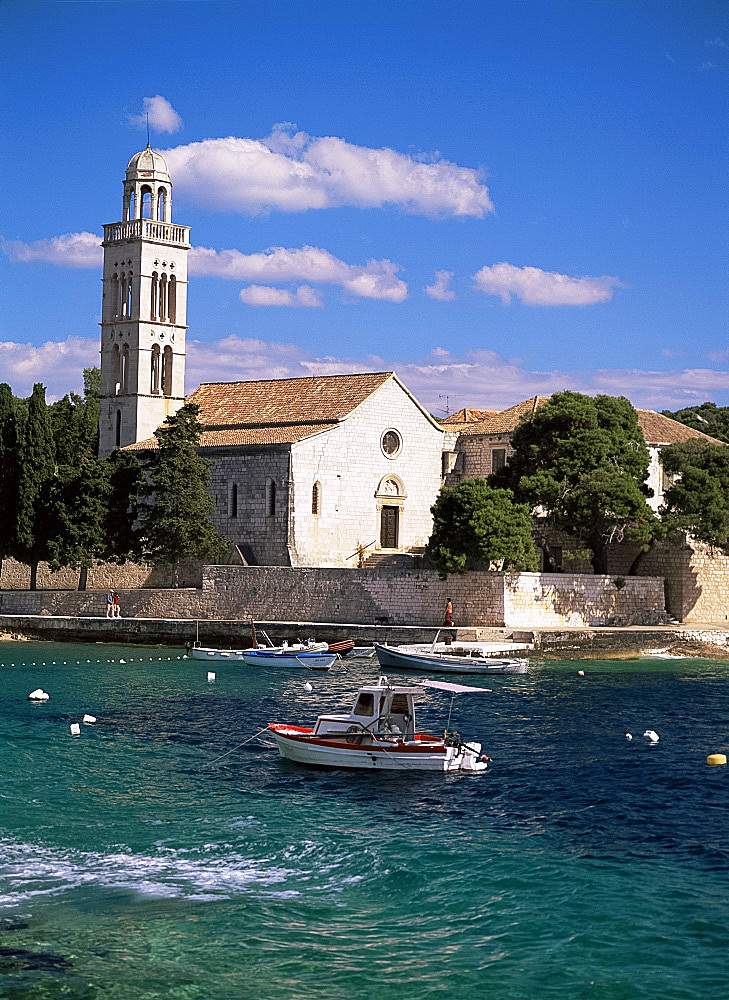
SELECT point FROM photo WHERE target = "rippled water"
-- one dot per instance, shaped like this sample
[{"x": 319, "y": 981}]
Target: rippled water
[{"x": 135, "y": 864}]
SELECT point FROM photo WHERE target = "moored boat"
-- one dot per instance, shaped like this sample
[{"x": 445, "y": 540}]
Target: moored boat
[
  {"x": 436, "y": 660},
  {"x": 343, "y": 646},
  {"x": 301, "y": 659},
  {"x": 380, "y": 733},
  {"x": 296, "y": 648}
]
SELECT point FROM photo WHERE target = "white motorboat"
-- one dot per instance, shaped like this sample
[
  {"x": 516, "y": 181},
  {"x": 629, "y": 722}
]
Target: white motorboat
[
  {"x": 209, "y": 653},
  {"x": 380, "y": 733},
  {"x": 299, "y": 659},
  {"x": 463, "y": 658}
]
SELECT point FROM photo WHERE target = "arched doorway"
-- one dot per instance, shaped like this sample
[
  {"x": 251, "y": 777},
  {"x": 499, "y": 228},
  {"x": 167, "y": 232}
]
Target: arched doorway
[{"x": 390, "y": 496}]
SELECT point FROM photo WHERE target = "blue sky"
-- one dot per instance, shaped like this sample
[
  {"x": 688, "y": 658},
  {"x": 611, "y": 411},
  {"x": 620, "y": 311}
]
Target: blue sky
[{"x": 493, "y": 199}]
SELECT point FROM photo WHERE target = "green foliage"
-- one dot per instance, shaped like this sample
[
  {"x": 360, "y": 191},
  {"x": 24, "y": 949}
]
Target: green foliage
[
  {"x": 8, "y": 470},
  {"x": 698, "y": 502},
  {"x": 708, "y": 418},
  {"x": 35, "y": 479},
  {"x": 75, "y": 422},
  {"x": 473, "y": 523},
  {"x": 581, "y": 464},
  {"x": 176, "y": 522}
]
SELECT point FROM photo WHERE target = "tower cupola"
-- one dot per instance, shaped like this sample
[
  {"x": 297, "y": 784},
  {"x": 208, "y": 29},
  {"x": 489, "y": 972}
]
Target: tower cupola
[{"x": 147, "y": 188}]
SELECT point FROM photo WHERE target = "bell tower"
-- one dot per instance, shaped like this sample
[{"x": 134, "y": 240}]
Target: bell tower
[{"x": 144, "y": 309}]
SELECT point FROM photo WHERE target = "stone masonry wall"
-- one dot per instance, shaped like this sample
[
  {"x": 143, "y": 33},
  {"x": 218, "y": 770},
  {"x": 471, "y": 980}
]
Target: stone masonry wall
[
  {"x": 278, "y": 593},
  {"x": 16, "y": 576}
]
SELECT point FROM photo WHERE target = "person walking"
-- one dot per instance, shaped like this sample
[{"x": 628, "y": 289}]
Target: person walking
[
  {"x": 110, "y": 604},
  {"x": 448, "y": 620},
  {"x": 117, "y": 609}
]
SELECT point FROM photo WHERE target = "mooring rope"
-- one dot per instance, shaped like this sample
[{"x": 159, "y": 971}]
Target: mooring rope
[{"x": 255, "y": 735}]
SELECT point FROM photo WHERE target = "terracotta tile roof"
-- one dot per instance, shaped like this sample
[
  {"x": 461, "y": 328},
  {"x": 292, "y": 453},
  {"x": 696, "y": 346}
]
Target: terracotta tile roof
[
  {"x": 275, "y": 411},
  {"x": 284, "y": 401},
  {"x": 506, "y": 421},
  {"x": 659, "y": 429},
  {"x": 468, "y": 416}
]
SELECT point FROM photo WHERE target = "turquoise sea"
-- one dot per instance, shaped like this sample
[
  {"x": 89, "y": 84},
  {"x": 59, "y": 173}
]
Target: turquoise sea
[{"x": 136, "y": 864}]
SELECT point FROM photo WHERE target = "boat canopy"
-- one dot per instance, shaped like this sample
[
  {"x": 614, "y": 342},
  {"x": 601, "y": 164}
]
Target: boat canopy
[{"x": 455, "y": 688}]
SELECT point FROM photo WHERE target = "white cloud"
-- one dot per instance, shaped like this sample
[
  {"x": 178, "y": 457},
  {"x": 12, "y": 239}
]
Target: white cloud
[
  {"x": 377, "y": 279},
  {"x": 439, "y": 289},
  {"x": 58, "y": 365},
  {"x": 68, "y": 250},
  {"x": 374, "y": 280},
  {"x": 721, "y": 356},
  {"x": 264, "y": 295},
  {"x": 162, "y": 116},
  {"x": 535, "y": 287},
  {"x": 293, "y": 172},
  {"x": 481, "y": 379}
]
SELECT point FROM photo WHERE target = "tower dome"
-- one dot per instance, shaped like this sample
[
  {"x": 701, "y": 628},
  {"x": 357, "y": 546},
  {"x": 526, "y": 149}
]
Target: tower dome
[{"x": 147, "y": 164}]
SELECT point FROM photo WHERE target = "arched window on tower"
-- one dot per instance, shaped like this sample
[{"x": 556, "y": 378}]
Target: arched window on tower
[
  {"x": 163, "y": 298},
  {"x": 116, "y": 369},
  {"x": 270, "y": 498},
  {"x": 132, "y": 203},
  {"x": 154, "y": 296},
  {"x": 172, "y": 299},
  {"x": 316, "y": 499},
  {"x": 167, "y": 371},
  {"x": 124, "y": 379},
  {"x": 233, "y": 500},
  {"x": 154, "y": 375},
  {"x": 161, "y": 204},
  {"x": 122, "y": 294},
  {"x": 118, "y": 429},
  {"x": 146, "y": 194},
  {"x": 128, "y": 303},
  {"x": 114, "y": 295}
]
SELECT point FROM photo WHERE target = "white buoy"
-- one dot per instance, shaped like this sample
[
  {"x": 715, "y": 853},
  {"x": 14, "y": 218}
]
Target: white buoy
[
  {"x": 211, "y": 675},
  {"x": 580, "y": 673},
  {"x": 184, "y": 657},
  {"x": 122, "y": 661},
  {"x": 89, "y": 720},
  {"x": 651, "y": 735},
  {"x": 38, "y": 695},
  {"x": 308, "y": 687},
  {"x": 629, "y": 736},
  {"x": 75, "y": 729}
]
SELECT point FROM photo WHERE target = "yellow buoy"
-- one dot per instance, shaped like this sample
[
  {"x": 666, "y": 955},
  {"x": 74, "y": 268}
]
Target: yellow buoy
[{"x": 714, "y": 759}]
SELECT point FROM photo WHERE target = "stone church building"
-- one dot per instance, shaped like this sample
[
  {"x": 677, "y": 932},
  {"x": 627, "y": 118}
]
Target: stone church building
[{"x": 319, "y": 471}]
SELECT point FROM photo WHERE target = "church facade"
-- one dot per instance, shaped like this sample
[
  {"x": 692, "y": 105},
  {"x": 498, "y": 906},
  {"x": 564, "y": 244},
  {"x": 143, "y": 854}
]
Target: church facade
[{"x": 320, "y": 471}]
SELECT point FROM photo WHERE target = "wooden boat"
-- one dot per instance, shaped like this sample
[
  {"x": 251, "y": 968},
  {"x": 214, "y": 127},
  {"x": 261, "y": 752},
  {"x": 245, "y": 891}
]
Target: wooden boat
[
  {"x": 440, "y": 658},
  {"x": 380, "y": 734},
  {"x": 342, "y": 647}
]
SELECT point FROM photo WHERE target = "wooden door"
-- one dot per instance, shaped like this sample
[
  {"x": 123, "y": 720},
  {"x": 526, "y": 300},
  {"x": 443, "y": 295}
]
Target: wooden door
[{"x": 388, "y": 527}]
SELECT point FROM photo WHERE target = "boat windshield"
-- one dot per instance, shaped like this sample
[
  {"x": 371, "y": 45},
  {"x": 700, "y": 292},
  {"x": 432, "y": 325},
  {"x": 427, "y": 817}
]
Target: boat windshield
[{"x": 365, "y": 704}]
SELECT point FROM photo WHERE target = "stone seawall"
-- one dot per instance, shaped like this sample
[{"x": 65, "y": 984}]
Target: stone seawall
[{"x": 375, "y": 596}]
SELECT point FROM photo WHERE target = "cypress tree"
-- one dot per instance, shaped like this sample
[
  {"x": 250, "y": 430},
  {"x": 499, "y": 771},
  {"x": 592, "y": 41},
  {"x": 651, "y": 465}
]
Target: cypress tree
[
  {"x": 177, "y": 519},
  {"x": 8, "y": 472},
  {"x": 36, "y": 473}
]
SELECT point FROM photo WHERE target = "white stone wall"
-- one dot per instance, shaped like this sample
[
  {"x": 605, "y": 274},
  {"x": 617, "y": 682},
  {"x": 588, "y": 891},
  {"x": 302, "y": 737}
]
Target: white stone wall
[
  {"x": 541, "y": 600},
  {"x": 349, "y": 464}
]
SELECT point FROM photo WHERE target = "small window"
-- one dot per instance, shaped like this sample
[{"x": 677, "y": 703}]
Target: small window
[
  {"x": 270, "y": 498},
  {"x": 391, "y": 443},
  {"x": 118, "y": 428},
  {"x": 365, "y": 705},
  {"x": 316, "y": 499},
  {"x": 399, "y": 704},
  {"x": 498, "y": 459},
  {"x": 233, "y": 500}
]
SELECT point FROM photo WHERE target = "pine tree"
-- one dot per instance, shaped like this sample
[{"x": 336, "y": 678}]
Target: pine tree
[
  {"x": 177, "y": 519},
  {"x": 8, "y": 472},
  {"x": 35, "y": 479}
]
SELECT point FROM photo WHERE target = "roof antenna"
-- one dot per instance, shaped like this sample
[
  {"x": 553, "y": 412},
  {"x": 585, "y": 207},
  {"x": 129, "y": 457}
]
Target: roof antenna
[{"x": 148, "y": 130}]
